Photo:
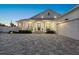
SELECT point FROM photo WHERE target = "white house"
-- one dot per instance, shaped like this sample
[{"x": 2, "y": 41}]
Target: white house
[
  {"x": 39, "y": 22},
  {"x": 66, "y": 24}
]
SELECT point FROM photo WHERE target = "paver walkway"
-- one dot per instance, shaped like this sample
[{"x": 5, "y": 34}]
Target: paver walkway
[{"x": 37, "y": 44}]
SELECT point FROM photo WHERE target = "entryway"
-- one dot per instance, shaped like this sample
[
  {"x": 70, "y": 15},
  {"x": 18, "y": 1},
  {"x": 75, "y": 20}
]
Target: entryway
[{"x": 39, "y": 27}]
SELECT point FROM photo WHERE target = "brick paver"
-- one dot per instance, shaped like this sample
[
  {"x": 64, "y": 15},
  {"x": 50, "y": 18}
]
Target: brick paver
[{"x": 37, "y": 44}]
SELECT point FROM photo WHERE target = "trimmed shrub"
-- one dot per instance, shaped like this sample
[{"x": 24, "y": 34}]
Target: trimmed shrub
[
  {"x": 25, "y": 31},
  {"x": 10, "y": 32},
  {"x": 21, "y": 32},
  {"x": 50, "y": 32}
]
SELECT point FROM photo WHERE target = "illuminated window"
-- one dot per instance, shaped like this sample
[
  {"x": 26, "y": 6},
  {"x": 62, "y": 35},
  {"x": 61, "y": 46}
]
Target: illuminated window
[
  {"x": 30, "y": 26},
  {"x": 42, "y": 16},
  {"x": 48, "y": 25}
]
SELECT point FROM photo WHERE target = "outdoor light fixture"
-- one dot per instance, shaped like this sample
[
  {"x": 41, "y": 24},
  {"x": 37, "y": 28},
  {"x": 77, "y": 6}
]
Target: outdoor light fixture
[{"x": 55, "y": 16}]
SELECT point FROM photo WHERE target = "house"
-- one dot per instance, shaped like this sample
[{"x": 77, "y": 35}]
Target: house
[
  {"x": 66, "y": 24},
  {"x": 39, "y": 22}
]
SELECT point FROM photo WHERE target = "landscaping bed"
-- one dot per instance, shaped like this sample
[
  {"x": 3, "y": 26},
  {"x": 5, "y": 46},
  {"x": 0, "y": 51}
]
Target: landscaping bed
[
  {"x": 21, "y": 32},
  {"x": 50, "y": 31}
]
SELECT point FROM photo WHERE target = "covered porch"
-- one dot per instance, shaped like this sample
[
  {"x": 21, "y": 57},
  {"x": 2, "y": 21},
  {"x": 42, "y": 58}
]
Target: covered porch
[{"x": 37, "y": 25}]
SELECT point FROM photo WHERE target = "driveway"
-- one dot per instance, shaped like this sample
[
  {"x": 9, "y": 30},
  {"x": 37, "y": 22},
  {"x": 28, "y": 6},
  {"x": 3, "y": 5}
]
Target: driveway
[{"x": 37, "y": 44}]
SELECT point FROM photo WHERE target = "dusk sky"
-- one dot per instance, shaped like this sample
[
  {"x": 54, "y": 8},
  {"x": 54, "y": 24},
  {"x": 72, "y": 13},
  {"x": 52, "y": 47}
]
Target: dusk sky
[{"x": 16, "y": 12}]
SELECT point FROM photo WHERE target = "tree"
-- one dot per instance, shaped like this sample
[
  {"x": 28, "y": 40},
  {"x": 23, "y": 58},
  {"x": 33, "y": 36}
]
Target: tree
[
  {"x": 2, "y": 24},
  {"x": 12, "y": 25}
]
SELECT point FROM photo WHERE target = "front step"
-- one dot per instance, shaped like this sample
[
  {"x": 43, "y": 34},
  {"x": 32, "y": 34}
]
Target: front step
[{"x": 38, "y": 32}]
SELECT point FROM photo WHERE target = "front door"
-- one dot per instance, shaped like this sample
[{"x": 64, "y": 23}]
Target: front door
[{"x": 39, "y": 26}]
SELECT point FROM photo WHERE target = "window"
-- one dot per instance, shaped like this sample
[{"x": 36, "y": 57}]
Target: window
[
  {"x": 29, "y": 26},
  {"x": 39, "y": 24},
  {"x": 42, "y": 16},
  {"x": 48, "y": 14},
  {"x": 48, "y": 25}
]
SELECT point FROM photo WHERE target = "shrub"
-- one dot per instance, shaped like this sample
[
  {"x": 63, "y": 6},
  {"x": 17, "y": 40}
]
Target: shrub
[
  {"x": 25, "y": 31},
  {"x": 50, "y": 32},
  {"x": 21, "y": 32},
  {"x": 10, "y": 32}
]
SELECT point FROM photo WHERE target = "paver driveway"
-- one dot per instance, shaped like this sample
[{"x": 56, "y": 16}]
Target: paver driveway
[{"x": 37, "y": 44}]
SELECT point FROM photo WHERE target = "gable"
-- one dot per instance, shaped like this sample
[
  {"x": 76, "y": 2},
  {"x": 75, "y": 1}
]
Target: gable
[{"x": 48, "y": 14}]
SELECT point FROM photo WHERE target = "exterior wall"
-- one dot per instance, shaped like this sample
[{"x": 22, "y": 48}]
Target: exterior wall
[
  {"x": 73, "y": 15},
  {"x": 70, "y": 28},
  {"x": 54, "y": 26},
  {"x": 20, "y": 24}
]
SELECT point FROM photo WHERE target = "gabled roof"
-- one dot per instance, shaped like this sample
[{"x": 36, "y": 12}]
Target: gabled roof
[
  {"x": 72, "y": 9},
  {"x": 47, "y": 15}
]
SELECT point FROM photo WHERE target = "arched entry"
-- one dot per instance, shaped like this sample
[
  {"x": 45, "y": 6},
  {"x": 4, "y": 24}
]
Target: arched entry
[{"x": 39, "y": 26}]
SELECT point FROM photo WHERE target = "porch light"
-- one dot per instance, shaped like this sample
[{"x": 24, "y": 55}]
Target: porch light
[{"x": 55, "y": 16}]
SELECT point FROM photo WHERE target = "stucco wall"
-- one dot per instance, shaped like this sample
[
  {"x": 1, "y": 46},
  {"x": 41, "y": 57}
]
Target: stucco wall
[{"x": 71, "y": 28}]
